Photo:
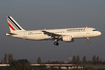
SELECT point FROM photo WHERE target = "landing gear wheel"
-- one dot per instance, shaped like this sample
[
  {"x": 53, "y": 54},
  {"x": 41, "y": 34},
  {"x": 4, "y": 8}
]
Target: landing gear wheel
[
  {"x": 56, "y": 43},
  {"x": 88, "y": 42}
]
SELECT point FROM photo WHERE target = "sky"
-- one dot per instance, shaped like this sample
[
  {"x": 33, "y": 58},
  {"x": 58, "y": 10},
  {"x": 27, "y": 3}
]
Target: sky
[{"x": 52, "y": 14}]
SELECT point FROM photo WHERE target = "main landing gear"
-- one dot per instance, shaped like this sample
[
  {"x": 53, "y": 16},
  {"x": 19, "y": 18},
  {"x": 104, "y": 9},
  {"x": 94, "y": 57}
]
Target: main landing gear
[
  {"x": 56, "y": 42},
  {"x": 88, "y": 40}
]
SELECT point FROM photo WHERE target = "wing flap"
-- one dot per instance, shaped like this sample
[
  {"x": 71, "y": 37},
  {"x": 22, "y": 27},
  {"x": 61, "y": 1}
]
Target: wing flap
[{"x": 52, "y": 34}]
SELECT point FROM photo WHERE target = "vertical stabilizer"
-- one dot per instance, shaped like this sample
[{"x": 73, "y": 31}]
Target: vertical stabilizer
[{"x": 13, "y": 25}]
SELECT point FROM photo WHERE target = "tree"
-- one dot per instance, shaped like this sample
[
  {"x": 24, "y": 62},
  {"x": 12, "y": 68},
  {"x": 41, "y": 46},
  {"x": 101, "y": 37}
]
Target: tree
[
  {"x": 25, "y": 64},
  {"x": 15, "y": 65},
  {"x": 38, "y": 60},
  {"x": 78, "y": 58},
  {"x": 2, "y": 62},
  {"x": 19, "y": 65},
  {"x": 97, "y": 58},
  {"x": 94, "y": 59},
  {"x": 74, "y": 59},
  {"x": 84, "y": 59},
  {"x": 10, "y": 58},
  {"x": 5, "y": 58},
  {"x": 89, "y": 62}
]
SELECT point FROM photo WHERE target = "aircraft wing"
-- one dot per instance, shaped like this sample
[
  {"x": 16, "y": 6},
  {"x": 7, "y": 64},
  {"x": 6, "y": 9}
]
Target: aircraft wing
[{"x": 52, "y": 34}]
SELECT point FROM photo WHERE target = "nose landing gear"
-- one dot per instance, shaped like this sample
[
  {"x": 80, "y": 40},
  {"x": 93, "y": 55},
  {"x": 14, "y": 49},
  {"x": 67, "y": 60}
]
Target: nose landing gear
[
  {"x": 88, "y": 40},
  {"x": 56, "y": 42}
]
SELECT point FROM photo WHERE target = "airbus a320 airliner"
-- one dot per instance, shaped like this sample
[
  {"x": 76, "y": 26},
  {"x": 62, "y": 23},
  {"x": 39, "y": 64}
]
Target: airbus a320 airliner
[{"x": 66, "y": 34}]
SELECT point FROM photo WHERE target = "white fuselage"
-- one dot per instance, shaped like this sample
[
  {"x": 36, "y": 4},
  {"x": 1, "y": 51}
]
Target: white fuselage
[
  {"x": 74, "y": 32},
  {"x": 67, "y": 34}
]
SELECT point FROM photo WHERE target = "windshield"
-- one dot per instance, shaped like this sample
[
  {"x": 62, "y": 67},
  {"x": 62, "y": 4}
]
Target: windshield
[{"x": 95, "y": 30}]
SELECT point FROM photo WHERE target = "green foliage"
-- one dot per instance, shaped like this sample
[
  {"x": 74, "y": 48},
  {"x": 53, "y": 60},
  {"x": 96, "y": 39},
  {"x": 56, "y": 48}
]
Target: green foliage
[
  {"x": 94, "y": 59},
  {"x": 16, "y": 65},
  {"x": 97, "y": 58},
  {"x": 84, "y": 59},
  {"x": 74, "y": 60},
  {"x": 10, "y": 58},
  {"x": 78, "y": 59},
  {"x": 19, "y": 65},
  {"x": 5, "y": 58}
]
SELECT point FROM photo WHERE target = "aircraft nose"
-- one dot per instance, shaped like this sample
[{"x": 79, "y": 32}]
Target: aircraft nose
[{"x": 99, "y": 33}]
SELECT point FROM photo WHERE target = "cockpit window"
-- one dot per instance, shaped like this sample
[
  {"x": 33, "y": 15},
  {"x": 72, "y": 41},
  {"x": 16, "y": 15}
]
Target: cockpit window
[{"x": 94, "y": 30}]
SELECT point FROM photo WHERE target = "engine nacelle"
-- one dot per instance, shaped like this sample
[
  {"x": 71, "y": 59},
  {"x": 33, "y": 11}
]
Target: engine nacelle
[{"x": 68, "y": 39}]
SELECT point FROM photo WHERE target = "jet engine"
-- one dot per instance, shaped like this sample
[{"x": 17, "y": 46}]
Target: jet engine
[{"x": 67, "y": 39}]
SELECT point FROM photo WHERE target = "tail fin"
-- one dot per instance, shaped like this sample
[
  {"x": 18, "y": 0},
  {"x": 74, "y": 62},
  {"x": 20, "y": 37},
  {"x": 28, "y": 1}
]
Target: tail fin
[{"x": 13, "y": 25}]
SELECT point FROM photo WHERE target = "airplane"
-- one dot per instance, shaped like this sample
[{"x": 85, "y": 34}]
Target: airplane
[{"x": 65, "y": 34}]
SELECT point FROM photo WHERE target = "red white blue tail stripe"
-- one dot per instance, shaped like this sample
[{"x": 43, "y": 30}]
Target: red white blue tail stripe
[{"x": 13, "y": 24}]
